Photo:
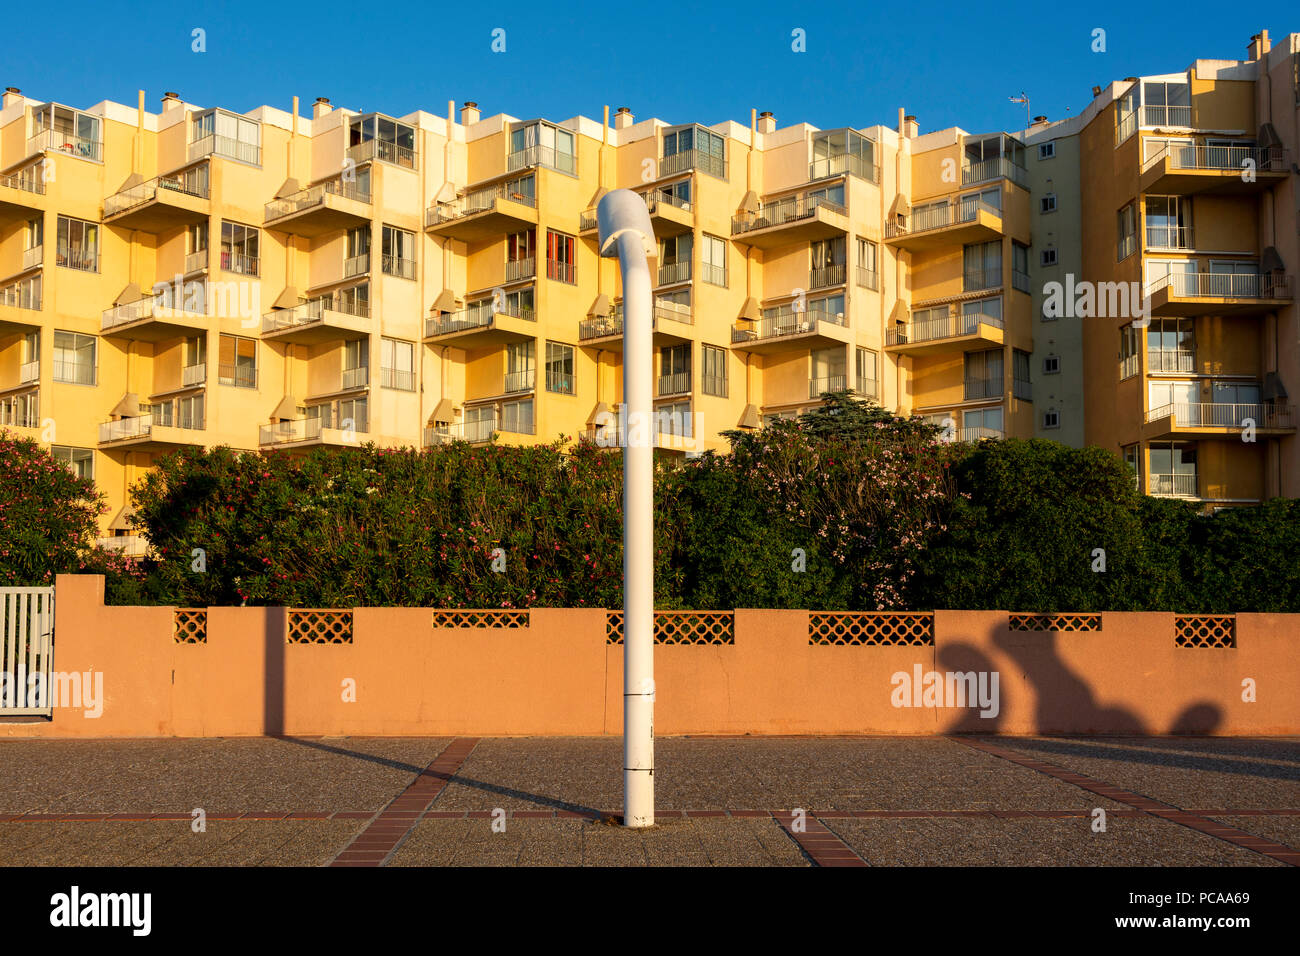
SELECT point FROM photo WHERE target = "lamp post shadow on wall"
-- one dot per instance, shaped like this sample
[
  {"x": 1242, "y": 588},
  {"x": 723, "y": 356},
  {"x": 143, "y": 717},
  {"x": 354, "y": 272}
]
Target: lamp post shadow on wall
[{"x": 626, "y": 234}]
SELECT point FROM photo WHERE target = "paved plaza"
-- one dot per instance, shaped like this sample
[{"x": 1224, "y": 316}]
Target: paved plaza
[{"x": 721, "y": 801}]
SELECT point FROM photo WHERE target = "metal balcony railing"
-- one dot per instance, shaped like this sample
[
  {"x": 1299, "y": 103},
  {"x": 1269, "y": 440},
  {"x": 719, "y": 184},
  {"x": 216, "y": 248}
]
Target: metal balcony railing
[
  {"x": 1169, "y": 237},
  {"x": 669, "y": 311},
  {"x": 588, "y": 221},
  {"x": 714, "y": 385},
  {"x": 520, "y": 381},
  {"x": 240, "y": 376},
  {"x": 478, "y": 430},
  {"x": 74, "y": 373},
  {"x": 675, "y": 383},
  {"x": 384, "y": 151},
  {"x": 128, "y": 313},
  {"x": 827, "y": 276},
  {"x": 944, "y": 327},
  {"x": 1236, "y": 158},
  {"x": 147, "y": 191},
  {"x": 828, "y": 383},
  {"x": 1170, "y": 360},
  {"x": 33, "y": 257},
  {"x": 851, "y": 163},
  {"x": 1023, "y": 389},
  {"x": 1226, "y": 415},
  {"x": 999, "y": 167},
  {"x": 1172, "y": 486},
  {"x": 477, "y": 315},
  {"x": 313, "y": 310},
  {"x": 779, "y": 212},
  {"x": 315, "y": 196},
  {"x": 539, "y": 155},
  {"x": 983, "y": 386},
  {"x": 194, "y": 374},
  {"x": 354, "y": 266},
  {"x": 714, "y": 275},
  {"x": 226, "y": 146},
  {"x": 475, "y": 201},
  {"x": 29, "y": 372},
  {"x": 561, "y": 271},
  {"x": 401, "y": 379},
  {"x": 1217, "y": 285},
  {"x": 942, "y": 216},
  {"x": 655, "y": 198},
  {"x": 240, "y": 264},
  {"x": 1167, "y": 116},
  {"x": 135, "y": 427},
  {"x": 83, "y": 260},
  {"x": 396, "y": 266},
  {"x": 671, "y": 273},
  {"x": 17, "y": 412},
  {"x": 598, "y": 328},
  {"x": 298, "y": 429},
  {"x": 66, "y": 143},
  {"x": 1129, "y": 366},
  {"x": 868, "y": 278},
  {"x": 785, "y": 321},
  {"x": 29, "y": 180},
  {"x": 520, "y": 269},
  {"x": 979, "y": 433},
  {"x": 688, "y": 159},
  {"x": 25, "y": 294},
  {"x": 196, "y": 262},
  {"x": 355, "y": 377},
  {"x": 1125, "y": 127}
]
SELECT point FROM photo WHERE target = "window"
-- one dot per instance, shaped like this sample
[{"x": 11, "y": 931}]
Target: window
[
  {"x": 1051, "y": 418},
  {"x": 397, "y": 364},
  {"x": 559, "y": 368},
  {"x": 541, "y": 144},
  {"x": 713, "y": 369},
  {"x": 378, "y": 137},
  {"x": 1047, "y": 258},
  {"x": 1047, "y": 150},
  {"x": 356, "y": 363},
  {"x": 982, "y": 266},
  {"x": 354, "y": 414},
  {"x": 1020, "y": 384},
  {"x": 1130, "y": 454},
  {"x": 1172, "y": 468},
  {"x": 78, "y": 244},
  {"x": 829, "y": 371},
  {"x": 1126, "y": 115},
  {"x": 194, "y": 356},
  {"x": 842, "y": 151},
  {"x": 1047, "y": 203},
  {"x": 674, "y": 419},
  {"x": 196, "y": 247},
  {"x": 988, "y": 311},
  {"x": 828, "y": 262},
  {"x": 67, "y": 130},
  {"x": 521, "y": 366},
  {"x": 1019, "y": 266},
  {"x": 867, "y": 364},
  {"x": 1170, "y": 345},
  {"x": 983, "y": 374},
  {"x": 868, "y": 277},
  {"x": 675, "y": 259},
  {"x": 80, "y": 460},
  {"x": 992, "y": 156},
  {"x": 1169, "y": 222},
  {"x": 517, "y": 417},
  {"x": 1130, "y": 341},
  {"x": 694, "y": 147},
  {"x": 1126, "y": 232},
  {"x": 1236, "y": 393},
  {"x": 34, "y": 234},
  {"x": 713, "y": 260},
  {"x": 237, "y": 361},
  {"x": 226, "y": 134},
  {"x": 74, "y": 358},
  {"x": 675, "y": 369},
  {"x": 356, "y": 258},
  {"x": 354, "y": 300},
  {"x": 1167, "y": 104},
  {"x": 560, "y": 263},
  {"x": 239, "y": 248},
  {"x": 977, "y": 423},
  {"x": 189, "y": 411},
  {"x": 521, "y": 256},
  {"x": 1051, "y": 364}
]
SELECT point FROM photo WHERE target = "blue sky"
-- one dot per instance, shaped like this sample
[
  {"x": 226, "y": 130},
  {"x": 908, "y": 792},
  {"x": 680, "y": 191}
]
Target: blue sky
[{"x": 950, "y": 64}]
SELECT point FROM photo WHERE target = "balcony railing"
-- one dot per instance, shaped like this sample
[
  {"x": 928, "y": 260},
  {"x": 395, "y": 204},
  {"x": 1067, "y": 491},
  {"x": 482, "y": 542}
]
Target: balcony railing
[
  {"x": 240, "y": 376},
  {"x": 1126, "y": 127},
  {"x": 1167, "y": 116},
  {"x": 315, "y": 196},
  {"x": 588, "y": 221},
  {"x": 313, "y": 310},
  {"x": 830, "y": 383},
  {"x": 396, "y": 266},
  {"x": 976, "y": 433},
  {"x": 940, "y": 217},
  {"x": 1172, "y": 486},
  {"x": 944, "y": 327},
  {"x": 354, "y": 266},
  {"x": 675, "y": 383},
  {"x": 33, "y": 257},
  {"x": 671, "y": 273},
  {"x": 600, "y": 327},
  {"x": 1169, "y": 237},
  {"x": 561, "y": 271},
  {"x": 401, "y": 379},
  {"x": 1272, "y": 159},
  {"x": 355, "y": 377},
  {"x": 1170, "y": 360},
  {"x": 854, "y": 164},
  {"x": 976, "y": 280},
  {"x": 868, "y": 278},
  {"x": 1020, "y": 280},
  {"x": 666, "y": 310},
  {"x": 715, "y": 275},
  {"x": 196, "y": 262},
  {"x": 520, "y": 381},
  {"x": 827, "y": 276},
  {"x": 715, "y": 166},
  {"x": 1226, "y": 415},
  {"x": 128, "y": 313},
  {"x": 477, "y": 315},
  {"x": 476, "y": 201},
  {"x": 29, "y": 372},
  {"x": 147, "y": 191},
  {"x": 999, "y": 167},
  {"x": 240, "y": 264},
  {"x": 214, "y": 145},
  {"x": 656, "y": 197},
  {"x": 298, "y": 429},
  {"x": 384, "y": 151},
  {"x": 194, "y": 374},
  {"x": 66, "y": 143},
  {"x": 31, "y": 180},
  {"x": 83, "y": 260},
  {"x": 1219, "y": 285},
  {"x": 478, "y": 430},
  {"x": 18, "y": 412},
  {"x": 983, "y": 386},
  {"x": 74, "y": 373},
  {"x": 135, "y": 427},
  {"x": 1129, "y": 366},
  {"x": 539, "y": 155},
  {"x": 519, "y": 269},
  {"x": 25, "y": 294},
  {"x": 785, "y": 321},
  {"x": 779, "y": 212}
]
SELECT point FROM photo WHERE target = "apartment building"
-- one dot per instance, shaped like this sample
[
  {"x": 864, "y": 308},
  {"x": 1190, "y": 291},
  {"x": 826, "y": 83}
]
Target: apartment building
[{"x": 1187, "y": 187}]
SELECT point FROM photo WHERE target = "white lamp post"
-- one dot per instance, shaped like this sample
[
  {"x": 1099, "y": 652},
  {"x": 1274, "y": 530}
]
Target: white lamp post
[{"x": 625, "y": 232}]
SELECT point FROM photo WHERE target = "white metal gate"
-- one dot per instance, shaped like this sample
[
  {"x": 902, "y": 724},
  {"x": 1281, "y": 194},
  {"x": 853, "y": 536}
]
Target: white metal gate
[{"x": 26, "y": 650}]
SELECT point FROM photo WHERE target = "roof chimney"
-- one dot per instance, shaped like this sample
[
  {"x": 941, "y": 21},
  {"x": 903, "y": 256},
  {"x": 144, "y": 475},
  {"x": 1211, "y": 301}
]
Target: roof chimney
[
  {"x": 320, "y": 107},
  {"x": 911, "y": 128},
  {"x": 469, "y": 113},
  {"x": 623, "y": 118},
  {"x": 766, "y": 122},
  {"x": 1096, "y": 92},
  {"x": 12, "y": 95},
  {"x": 1259, "y": 45},
  {"x": 170, "y": 100},
  {"x": 1039, "y": 121}
]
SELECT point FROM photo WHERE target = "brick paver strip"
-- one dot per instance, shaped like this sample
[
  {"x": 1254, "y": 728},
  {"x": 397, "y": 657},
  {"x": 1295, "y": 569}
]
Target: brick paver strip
[
  {"x": 822, "y": 846},
  {"x": 1164, "y": 811},
  {"x": 378, "y": 841}
]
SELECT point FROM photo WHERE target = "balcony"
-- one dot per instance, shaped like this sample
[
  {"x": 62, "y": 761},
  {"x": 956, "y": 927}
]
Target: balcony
[
  {"x": 674, "y": 273},
  {"x": 482, "y": 214},
  {"x": 60, "y": 141},
  {"x": 157, "y": 205},
  {"x": 226, "y": 147},
  {"x": 1212, "y": 293},
  {"x": 670, "y": 215},
  {"x": 1184, "y": 170},
  {"x": 561, "y": 271},
  {"x": 354, "y": 378},
  {"x": 787, "y": 330},
  {"x": 240, "y": 376},
  {"x": 817, "y": 387},
  {"x": 1167, "y": 116},
  {"x": 855, "y": 165},
  {"x": 999, "y": 167},
  {"x": 670, "y": 322},
  {"x": 327, "y": 318},
  {"x": 317, "y": 210},
  {"x": 482, "y": 323},
  {"x": 356, "y": 266},
  {"x": 196, "y": 374},
  {"x": 386, "y": 151},
  {"x": 196, "y": 262},
  {"x": 1217, "y": 420},
  {"x": 20, "y": 305},
  {"x": 155, "y": 431},
  {"x": 524, "y": 380},
  {"x": 693, "y": 159},
  {"x": 241, "y": 264},
  {"x": 1169, "y": 360},
  {"x": 318, "y": 430},
  {"x": 151, "y": 319},
  {"x": 952, "y": 224},
  {"x": 22, "y": 195},
  {"x": 400, "y": 379},
  {"x": 127, "y": 545},
  {"x": 478, "y": 430},
  {"x": 519, "y": 270},
  {"x": 397, "y": 266},
  {"x": 1172, "y": 486},
  {"x": 789, "y": 221},
  {"x": 828, "y": 277},
  {"x": 978, "y": 433},
  {"x": 953, "y": 333},
  {"x": 22, "y": 412},
  {"x": 539, "y": 155},
  {"x": 675, "y": 383},
  {"x": 29, "y": 373}
]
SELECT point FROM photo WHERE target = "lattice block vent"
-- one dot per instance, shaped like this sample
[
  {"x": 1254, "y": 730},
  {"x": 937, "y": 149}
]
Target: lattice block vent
[
  {"x": 871, "y": 628},
  {"x": 315, "y": 626},
  {"x": 190, "y": 626},
  {"x": 1055, "y": 622},
  {"x": 1205, "y": 630},
  {"x": 483, "y": 618},
  {"x": 681, "y": 627}
]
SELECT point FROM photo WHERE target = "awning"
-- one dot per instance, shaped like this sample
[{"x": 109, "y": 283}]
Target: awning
[
  {"x": 446, "y": 301},
  {"x": 286, "y": 410},
  {"x": 749, "y": 417},
  {"x": 289, "y": 188},
  {"x": 130, "y": 294},
  {"x": 600, "y": 308},
  {"x": 287, "y": 299},
  {"x": 128, "y": 407},
  {"x": 444, "y": 414}
]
